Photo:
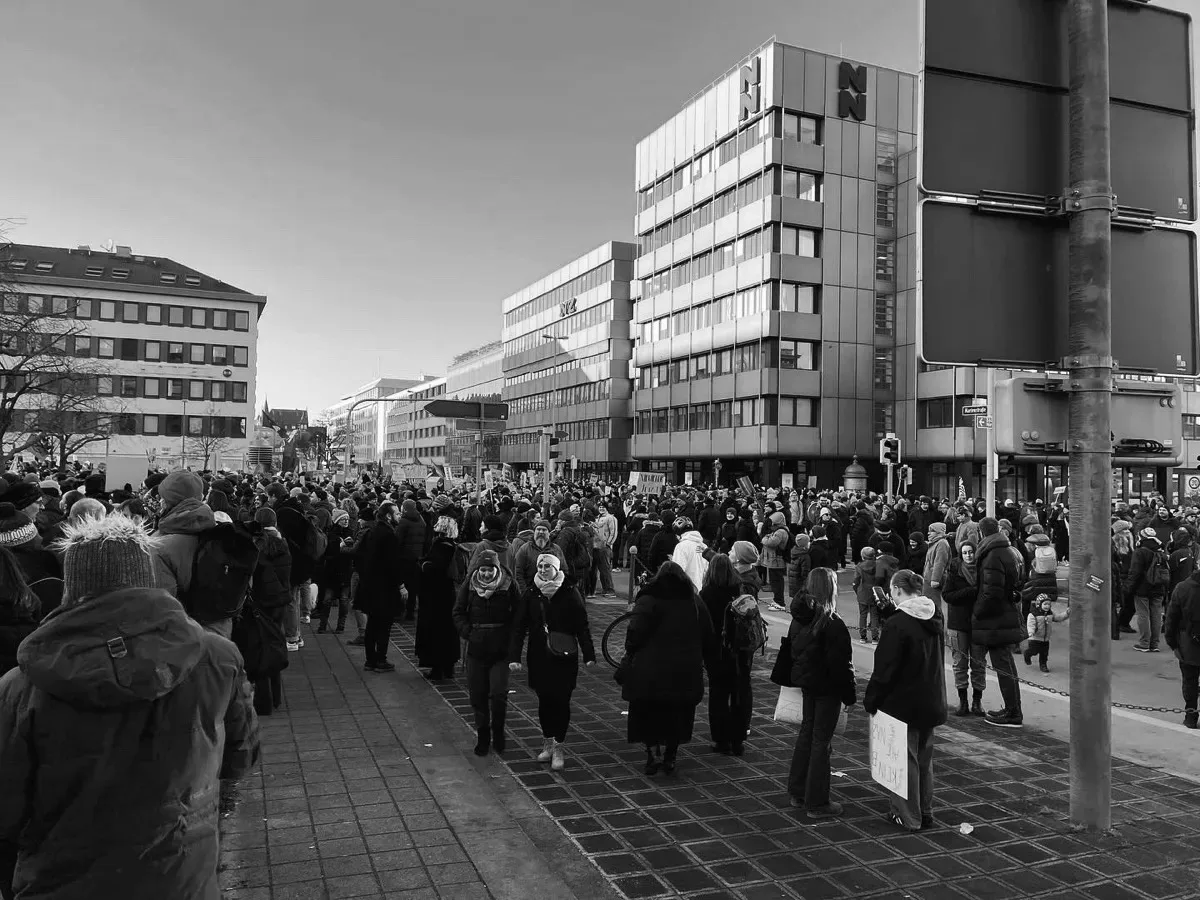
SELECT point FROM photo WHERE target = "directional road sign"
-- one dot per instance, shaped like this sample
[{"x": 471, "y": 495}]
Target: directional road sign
[
  {"x": 465, "y": 409},
  {"x": 984, "y": 421},
  {"x": 975, "y": 410}
]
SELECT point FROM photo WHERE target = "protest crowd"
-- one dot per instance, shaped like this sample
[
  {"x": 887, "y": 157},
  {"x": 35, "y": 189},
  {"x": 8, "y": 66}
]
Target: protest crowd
[{"x": 144, "y": 630}]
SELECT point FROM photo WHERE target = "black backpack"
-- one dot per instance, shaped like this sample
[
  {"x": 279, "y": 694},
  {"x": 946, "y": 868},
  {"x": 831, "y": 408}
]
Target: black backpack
[{"x": 222, "y": 568}]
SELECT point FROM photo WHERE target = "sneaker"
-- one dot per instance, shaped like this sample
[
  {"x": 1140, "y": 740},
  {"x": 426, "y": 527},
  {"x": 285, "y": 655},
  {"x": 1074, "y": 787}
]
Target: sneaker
[
  {"x": 340, "y": 629},
  {"x": 1154, "y": 649},
  {"x": 357, "y": 641},
  {"x": 293, "y": 646},
  {"x": 322, "y": 627},
  {"x": 1005, "y": 719},
  {"x": 547, "y": 750},
  {"x": 795, "y": 802},
  {"x": 368, "y": 667},
  {"x": 306, "y": 619},
  {"x": 1045, "y": 668},
  {"x": 1125, "y": 629},
  {"x": 1142, "y": 648},
  {"x": 385, "y": 666},
  {"x": 1191, "y": 718},
  {"x": 830, "y": 810},
  {"x": 557, "y": 762}
]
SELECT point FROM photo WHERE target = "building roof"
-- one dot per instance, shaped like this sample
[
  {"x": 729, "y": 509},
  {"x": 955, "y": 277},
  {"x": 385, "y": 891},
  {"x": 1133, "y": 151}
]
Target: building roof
[
  {"x": 118, "y": 269},
  {"x": 488, "y": 349}
]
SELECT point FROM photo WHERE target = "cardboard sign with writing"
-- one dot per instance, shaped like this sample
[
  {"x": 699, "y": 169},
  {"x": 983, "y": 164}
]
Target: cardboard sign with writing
[
  {"x": 746, "y": 486},
  {"x": 648, "y": 482},
  {"x": 889, "y": 753}
]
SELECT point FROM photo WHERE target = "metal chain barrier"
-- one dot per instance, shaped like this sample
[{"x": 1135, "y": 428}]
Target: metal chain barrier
[{"x": 1130, "y": 706}]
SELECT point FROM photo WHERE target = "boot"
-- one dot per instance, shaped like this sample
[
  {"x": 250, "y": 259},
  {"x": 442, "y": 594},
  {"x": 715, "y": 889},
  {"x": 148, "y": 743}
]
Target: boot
[
  {"x": 1191, "y": 718},
  {"x": 652, "y": 761},
  {"x": 977, "y": 703},
  {"x": 484, "y": 743},
  {"x": 963, "y": 708},
  {"x": 322, "y": 627},
  {"x": 557, "y": 763},
  {"x": 498, "y": 739},
  {"x": 668, "y": 760},
  {"x": 547, "y": 750}
]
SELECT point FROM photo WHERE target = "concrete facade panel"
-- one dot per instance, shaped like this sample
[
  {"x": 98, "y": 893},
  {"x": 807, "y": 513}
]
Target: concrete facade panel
[
  {"x": 887, "y": 99},
  {"x": 907, "y": 104},
  {"x": 722, "y": 387},
  {"x": 797, "y": 441},
  {"x": 814, "y": 83},
  {"x": 830, "y": 312},
  {"x": 792, "y": 71},
  {"x": 866, "y": 261},
  {"x": 831, "y": 197},
  {"x": 848, "y": 265},
  {"x": 865, "y": 305},
  {"x": 722, "y": 442},
  {"x": 833, "y": 147},
  {"x": 799, "y": 383},
  {"x": 808, "y": 213},
  {"x": 847, "y": 316},
  {"x": 851, "y": 137},
  {"x": 805, "y": 326},
  {"x": 724, "y": 282},
  {"x": 809, "y": 157}
]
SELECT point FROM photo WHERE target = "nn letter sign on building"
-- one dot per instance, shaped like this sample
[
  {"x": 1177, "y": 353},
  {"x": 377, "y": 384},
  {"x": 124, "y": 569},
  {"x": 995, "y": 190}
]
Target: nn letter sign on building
[
  {"x": 852, "y": 92},
  {"x": 751, "y": 100}
]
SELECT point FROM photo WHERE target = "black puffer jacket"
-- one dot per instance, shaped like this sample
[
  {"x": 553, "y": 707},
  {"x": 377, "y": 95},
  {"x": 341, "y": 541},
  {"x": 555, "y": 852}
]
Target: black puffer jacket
[
  {"x": 996, "y": 618},
  {"x": 271, "y": 588},
  {"x": 959, "y": 595},
  {"x": 909, "y": 681},
  {"x": 821, "y": 657},
  {"x": 491, "y": 626},
  {"x": 410, "y": 532},
  {"x": 15, "y": 626},
  {"x": 669, "y": 637}
]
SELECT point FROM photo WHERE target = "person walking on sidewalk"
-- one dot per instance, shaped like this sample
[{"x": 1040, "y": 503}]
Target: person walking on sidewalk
[
  {"x": 995, "y": 618},
  {"x": 557, "y": 624},
  {"x": 730, "y": 701},
  {"x": 335, "y": 573},
  {"x": 442, "y": 572},
  {"x": 489, "y": 615},
  {"x": 961, "y": 586},
  {"x": 271, "y": 594},
  {"x": 377, "y": 560},
  {"x": 410, "y": 532},
  {"x": 1149, "y": 575},
  {"x": 909, "y": 684},
  {"x": 823, "y": 668},
  {"x": 1182, "y": 634}
]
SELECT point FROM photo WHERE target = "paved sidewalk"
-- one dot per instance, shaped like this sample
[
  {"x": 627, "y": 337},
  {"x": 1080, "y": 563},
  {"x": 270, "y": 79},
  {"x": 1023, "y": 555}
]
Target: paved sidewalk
[{"x": 368, "y": 789}]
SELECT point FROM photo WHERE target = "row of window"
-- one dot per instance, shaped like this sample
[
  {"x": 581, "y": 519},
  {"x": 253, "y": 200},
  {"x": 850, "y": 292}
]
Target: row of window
[
  {"x": 133, "y": 386},
  {"x": 776, "y": 123},
  {"x": 804, "y": 411},
  {"x": 782, "y": 297},
  {"x": 127, "y": 311},
  {"x": 29, "y": 420},
  {"x": 591, "y": 430},
  {"x": 789, "y": 240},
  {"x": 885, "y": 368},
  {"x": 404, "y": 436},
  {"x": 571, "y": 396},
  {"x": 772, "y": 353},
  {"x": 594, "y": 359},
  {"x": 134, "y": 350},
  {"x": 595, "y": 315},
  {"x": 551, "y": 299}
]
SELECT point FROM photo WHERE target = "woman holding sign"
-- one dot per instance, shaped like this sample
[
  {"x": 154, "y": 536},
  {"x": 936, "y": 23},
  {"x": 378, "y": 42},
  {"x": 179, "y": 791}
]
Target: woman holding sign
[{"x": 909, "y": 684}]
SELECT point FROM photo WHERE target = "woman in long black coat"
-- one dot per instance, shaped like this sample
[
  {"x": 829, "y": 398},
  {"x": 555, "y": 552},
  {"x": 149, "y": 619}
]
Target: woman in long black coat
[
  {"x": 663, "y": 682},
  {"x": 442, "y": 571}
]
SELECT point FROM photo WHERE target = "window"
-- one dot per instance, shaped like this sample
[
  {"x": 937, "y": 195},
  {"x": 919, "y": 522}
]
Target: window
[
  {"x": 645, "y": 423},
  {"x": 681, "y": 322},
  {"x": 798, "y": 411},
  {"x": 936, "y": 413},
  {"x": 120, "y": 274},
  {"x": 885, "y": 367},
  {"x": 149, "y": 424},
  {"x": 94, "y": 271},
  {"x": 83, "y": 308},
  {"x": 37, "y": 304},
  {"x": 885, "y": 205},
  {"x": 129, "y": 312},
  {"x": 797, "y": 241},
  {"x": 885, "y": 260},
  {"x": 679, "y": 371},
  {"x": 220, "y": 391},
  {"x": 153, "y": 314},
  {"x": 722, "y": 414},
  {"x": 104, "y": 348},
  {"x": 701, "y": 316},
  {"x": 196, "y": 353},
  {"x": 220, "y": 318},
  {"x": 746, "y": 357},
  {"x": 153, "y": 351},
  {"x": 702, "y": 215},
  {"x": 698, "y": 417},
  {"x": 885, "y": 150},
  {"x": 129, "y": 386},
  {"x": 885, "y": 419},
  {"x": 174, "y": 388},
  {"x": 104, "y": 385},
  {"x": 804, "y": 185},
  {"x": 745, "y": 412},
  {"x": 196, "y": 389},
  {"x": 129, "y": 349},
  {"x": 150, "y": 387},
  {"x": 199, "y": 318},
  {"x": 797, "y": 297},
  {"x": 797, "y": 355},
  {"x": 747, "y": 247},
  {"x": 175, "y": 315},
  {"x": 60, "y": 306},
  {"x": 241, "y": 321},
  {"x": 885, "y": 315},
  {"x": 195, "y": 426},
  {"x": 726, "y": 150},
  {"x": 800, "y": 128},
  {"x": 661, "y": 421},
  {"x": 83, "y": 347},
  {"x": 722, "y": 257},
  {"x": 699, "y": 366},
  {"x": 679, "y": 418},
  {"x": 661, "y": 377},
  {"x": 663, "y": 327},
  {"x": 125, "y": 423},
  {"x": 191, "y": 280},
  {"x": 723, "y": 362},
  {"x": 174, "y": 353},
  {"x": 1191, "y": 428},
  {"x": 108, "y": 310},
  {"x": 168, "y": 277},
  {"x": 172, "y": 426},
  {"x": 44, "y": 267}
]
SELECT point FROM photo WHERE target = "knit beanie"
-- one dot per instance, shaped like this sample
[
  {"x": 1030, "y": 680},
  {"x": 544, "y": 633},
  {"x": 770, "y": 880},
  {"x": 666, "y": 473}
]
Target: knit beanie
[
  {"x": 265, "y": 516},
  {"x": 340, "y": 516},
  {"x": 542, "y": 523},
  {"x": 16, "y": 528},
  {"x": 179, "y": 486},
  {"x": 105, "y": 555},
  {"x": 937, "y": 528},
  {"x": 743, "y": 552},
  {"x": 23, "y": 494}
]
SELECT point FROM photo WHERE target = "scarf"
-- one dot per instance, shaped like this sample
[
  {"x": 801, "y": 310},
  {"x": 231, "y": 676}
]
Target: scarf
[
  {"x": 969, "y": 571},
  {"x": 485, "y": 589},
  {"x": 549, "y": 586}
]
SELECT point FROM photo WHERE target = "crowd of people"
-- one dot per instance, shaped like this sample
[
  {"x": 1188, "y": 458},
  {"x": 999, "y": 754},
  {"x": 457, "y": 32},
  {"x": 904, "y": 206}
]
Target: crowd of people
[{"x": 148, "y": 581}]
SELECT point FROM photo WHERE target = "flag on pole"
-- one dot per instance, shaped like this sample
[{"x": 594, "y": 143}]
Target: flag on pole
[{"x": 962, "y": 490}]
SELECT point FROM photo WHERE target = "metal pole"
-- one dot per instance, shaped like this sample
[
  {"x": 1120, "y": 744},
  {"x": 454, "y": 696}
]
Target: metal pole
[
  {"x": 479, "y": 461},
  {"x": 1089, "y": 361},
  {"x": 888, "y": 490},
  {"x": 992, "y": 466},
  {"x": 183, "y": 438}
]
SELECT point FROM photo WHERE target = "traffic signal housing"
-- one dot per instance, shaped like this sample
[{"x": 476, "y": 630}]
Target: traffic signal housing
[
  {"x": 889, "y": 450},
  {"x": 553, "y": 453}
]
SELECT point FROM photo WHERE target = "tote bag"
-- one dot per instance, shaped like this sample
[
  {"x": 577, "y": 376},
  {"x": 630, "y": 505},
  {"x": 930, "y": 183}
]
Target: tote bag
[{"x": 789, "y": 707}]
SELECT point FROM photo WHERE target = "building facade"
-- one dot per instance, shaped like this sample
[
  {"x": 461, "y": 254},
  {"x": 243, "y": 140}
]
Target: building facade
[
  {"x": 365, "y": 431},
  {"x": 775, "y": 227},
  {"x": 414, "y": 437},
  {"x": 168, "y": 354},
  {"x": 567, "y": 346},
  {"x": 477, "y": 374}
]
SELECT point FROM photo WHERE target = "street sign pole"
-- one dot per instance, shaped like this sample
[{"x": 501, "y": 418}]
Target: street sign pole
[
  {"x": 1089, "y": 206},
  {"x": 479, "y": 460},
  {"x": 992, "y": 466}
]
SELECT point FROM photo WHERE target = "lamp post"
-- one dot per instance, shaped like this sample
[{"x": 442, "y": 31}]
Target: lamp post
[
  {"x": 350, "y": 427},
  {"x": 557, "y": 338}
]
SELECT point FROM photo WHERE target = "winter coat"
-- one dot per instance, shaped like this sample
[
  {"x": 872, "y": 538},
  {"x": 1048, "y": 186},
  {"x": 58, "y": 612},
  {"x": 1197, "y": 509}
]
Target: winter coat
[
  {"x": 668, "y": 638},
  {"x": 960, "y": 596},
  {"x": 271, "y": 586},
  {"x": 1038, "y": 588},
  {"x": 339, "y": 557},
  {"x": 295, "y": 527},
  {"x": 822, "y": 665},
  {"x": 110, "y": 753},
  {"x": 661, "y": 548},
  {"x": 1182, "y": 562},
  {"x": 995, "y": 620},
  {"x": 861, "y": 530},
  {"x": 922, "y": 518},
  {"x": 717, "y": 600},
  {"x": 690, "y": 554},
  {"x": 1139, "y": 566},
  {"x": 709, "y": 522},
  {"x": 822, "y": 553},
  {"x": 410, "y": 532},
  {"x": 746, "y": 530},
  {"x": 915, "y": 556},
  {"x": 748, "y": 581},
  {"x": 526, "y": 563},
  {"x": 937, "y": 558},
  {"x": 909, "y": 680},
  {"x": 491, "y": 626},
  {"x": 576, "y": 550},
  {"x": 177, "y": 539},
  {"x": 605, "y": 531},
  {"x": 727, "y": 535},
  {"x": 437, "y": 643},
  {"x": 967, "y": 531},
  {"x": 377, "y": 561},
  {"x": 15, "y": 626},
  {"x": 550, "y": 675},
  {"x": 864, "y": 582},
  {"x": 1039, "y": 626},
  {"x": 495, "y": 541},
  {"x": 774, "y": 544},
  {"x": 49, "y": 522},
  {"x": 43, "y": 573},
  {"x": 1183, "y": 620},
  {"x": 799, "y": 565}
]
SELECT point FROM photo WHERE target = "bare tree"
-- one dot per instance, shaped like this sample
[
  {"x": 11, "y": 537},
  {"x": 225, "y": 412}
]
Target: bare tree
[
  {"x": 207, "y": 446},
  {"x": 70, "y": 415}
]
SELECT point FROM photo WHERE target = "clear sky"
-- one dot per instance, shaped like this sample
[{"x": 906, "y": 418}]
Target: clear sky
[{"x": 385, "y": 171}]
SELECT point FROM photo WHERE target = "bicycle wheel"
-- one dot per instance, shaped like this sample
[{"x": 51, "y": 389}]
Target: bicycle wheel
[{"x": 612, "y": 645}]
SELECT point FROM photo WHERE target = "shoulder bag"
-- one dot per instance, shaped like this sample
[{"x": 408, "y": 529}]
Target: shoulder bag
[{"x": 559, "y": 644}]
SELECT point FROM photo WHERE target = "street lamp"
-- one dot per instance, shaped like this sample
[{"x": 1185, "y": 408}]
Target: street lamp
[{"x": 557, "y": 338}]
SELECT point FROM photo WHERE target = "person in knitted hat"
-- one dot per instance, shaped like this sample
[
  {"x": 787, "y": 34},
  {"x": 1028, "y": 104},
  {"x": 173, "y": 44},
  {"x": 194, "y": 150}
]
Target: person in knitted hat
[
  {"x": 333, "y": 582},
  {"x": 377, "y": 560},
  {"x": 525, "y": 566},
  {"x": 119, "y": 680},
  {"x": 41, "y": 567},
  {"x": 1148, "y": 593},
  {"x": 185, "y": 517},
  {"x": 489, "y": 615}
]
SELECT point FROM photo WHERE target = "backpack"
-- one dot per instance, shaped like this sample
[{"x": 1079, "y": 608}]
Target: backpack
[
  {"x": 745, "y": 630},
  {"x": 1158, "y": 574},
  {"x": 579, "y": 553},
  {"x": 222, "y": 569},
  {"x": 315, "y": 540},
  {"x": 261, "y": 641},
  {"x": 1045, "y": 560}
]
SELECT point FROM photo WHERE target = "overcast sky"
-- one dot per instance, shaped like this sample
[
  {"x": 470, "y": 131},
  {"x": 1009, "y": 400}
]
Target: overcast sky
[{"x": 385, "y": 171}]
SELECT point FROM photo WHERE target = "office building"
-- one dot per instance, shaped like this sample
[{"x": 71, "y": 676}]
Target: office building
[
  {"x": 775, "y": 228},
  {"x": 164, "y": 355},
  {"x": 477, "y": 374},
  {"x": 365, "y": 432},
  {"x": 414, "y": 437},
  {"x": 567, "y": 345}
]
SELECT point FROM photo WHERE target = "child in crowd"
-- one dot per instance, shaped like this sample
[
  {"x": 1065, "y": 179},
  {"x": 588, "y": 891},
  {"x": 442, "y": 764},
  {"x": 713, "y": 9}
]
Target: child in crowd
[
  {"x": 1041, "y": 617},
  {"x": 864, "y": 592}
]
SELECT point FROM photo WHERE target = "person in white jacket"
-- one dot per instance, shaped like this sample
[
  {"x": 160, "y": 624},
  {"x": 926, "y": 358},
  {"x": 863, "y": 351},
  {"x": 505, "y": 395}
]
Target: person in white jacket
[
  {"x": 605, "y": 535},
  {"x": 690, "y": 555}
]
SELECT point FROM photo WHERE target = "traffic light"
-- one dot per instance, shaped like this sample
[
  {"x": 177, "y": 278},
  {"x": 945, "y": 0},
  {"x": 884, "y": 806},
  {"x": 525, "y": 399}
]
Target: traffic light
[
  {"x": 889, "y": 450},
  {"x": 552, "y": 454},
  {"x": 906, "y": 475}
]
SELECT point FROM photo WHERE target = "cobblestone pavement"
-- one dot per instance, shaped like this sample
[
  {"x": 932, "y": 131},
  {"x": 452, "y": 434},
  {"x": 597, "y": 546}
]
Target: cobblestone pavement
[{"x": 721, "y": 827}]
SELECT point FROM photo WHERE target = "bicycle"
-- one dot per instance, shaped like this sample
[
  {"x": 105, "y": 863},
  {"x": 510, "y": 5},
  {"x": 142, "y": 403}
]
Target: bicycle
[{"x": 612, "y": 644}]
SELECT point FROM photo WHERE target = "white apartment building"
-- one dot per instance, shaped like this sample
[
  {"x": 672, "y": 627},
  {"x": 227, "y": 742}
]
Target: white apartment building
[{"x": 368, "y": 430}]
